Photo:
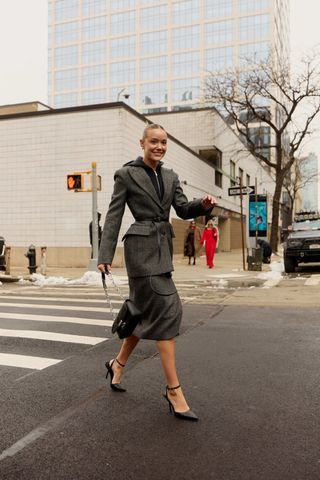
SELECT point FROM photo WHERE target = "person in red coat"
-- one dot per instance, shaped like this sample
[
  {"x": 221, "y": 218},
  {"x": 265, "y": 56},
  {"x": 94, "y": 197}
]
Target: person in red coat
[{"x": 210, "y": 238}]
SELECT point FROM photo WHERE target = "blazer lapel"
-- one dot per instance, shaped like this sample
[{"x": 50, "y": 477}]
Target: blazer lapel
[
  {"x": 141, "y": 178},
  {"x": 167, "y": 179}
]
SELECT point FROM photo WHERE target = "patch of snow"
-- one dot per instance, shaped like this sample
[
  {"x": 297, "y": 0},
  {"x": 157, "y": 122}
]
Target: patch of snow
[
  {"x": 89, "y": 278},
  {"x": 228, "y": 275},
  {"x": 274, "y": 276}
]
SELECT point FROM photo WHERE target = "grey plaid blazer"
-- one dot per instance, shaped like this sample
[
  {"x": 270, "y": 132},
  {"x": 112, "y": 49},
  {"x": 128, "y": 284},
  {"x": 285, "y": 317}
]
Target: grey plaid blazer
[{"x": 148, "y": 241}]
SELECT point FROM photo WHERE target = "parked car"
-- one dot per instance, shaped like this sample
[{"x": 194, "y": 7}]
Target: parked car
[
  {"x": 303, "y": 242},
  {"x": 2, "y": 254}
]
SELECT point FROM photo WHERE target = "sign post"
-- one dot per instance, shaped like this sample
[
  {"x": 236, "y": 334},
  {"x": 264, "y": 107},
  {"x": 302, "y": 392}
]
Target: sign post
[
  {"x": 95, "y": 240},
  {"x": 241, "y": 190}
]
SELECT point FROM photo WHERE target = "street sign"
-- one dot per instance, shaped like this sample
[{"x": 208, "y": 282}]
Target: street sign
[{"x": 237, "y": 190}]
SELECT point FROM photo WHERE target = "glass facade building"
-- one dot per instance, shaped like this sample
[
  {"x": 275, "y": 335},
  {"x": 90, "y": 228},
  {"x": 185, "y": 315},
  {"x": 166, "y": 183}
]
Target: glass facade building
[{"x": 159, "y": 52}]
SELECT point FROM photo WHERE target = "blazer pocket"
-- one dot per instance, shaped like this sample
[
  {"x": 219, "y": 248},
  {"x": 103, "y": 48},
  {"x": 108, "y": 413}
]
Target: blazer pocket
[{"x": 136, "y": 229}]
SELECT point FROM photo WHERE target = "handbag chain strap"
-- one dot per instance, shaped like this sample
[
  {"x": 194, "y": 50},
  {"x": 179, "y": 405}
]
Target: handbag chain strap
[{"x": 103, "y": 277}]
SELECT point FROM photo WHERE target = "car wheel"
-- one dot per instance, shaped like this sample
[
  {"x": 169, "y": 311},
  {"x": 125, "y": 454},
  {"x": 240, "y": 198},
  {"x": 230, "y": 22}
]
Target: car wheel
[{"x": 289, "y": 264}]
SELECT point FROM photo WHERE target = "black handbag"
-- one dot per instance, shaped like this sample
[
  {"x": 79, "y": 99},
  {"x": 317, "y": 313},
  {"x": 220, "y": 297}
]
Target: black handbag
[{"x": 128, "y": 317}]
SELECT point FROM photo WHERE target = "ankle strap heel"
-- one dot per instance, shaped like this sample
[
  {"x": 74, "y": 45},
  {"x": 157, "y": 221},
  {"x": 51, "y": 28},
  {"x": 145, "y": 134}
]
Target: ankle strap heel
[{"x": 121, "y": 364}]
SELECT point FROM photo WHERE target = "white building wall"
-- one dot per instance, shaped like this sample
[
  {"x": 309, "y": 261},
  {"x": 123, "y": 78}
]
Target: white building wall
[{"x": 39, "y": 150}]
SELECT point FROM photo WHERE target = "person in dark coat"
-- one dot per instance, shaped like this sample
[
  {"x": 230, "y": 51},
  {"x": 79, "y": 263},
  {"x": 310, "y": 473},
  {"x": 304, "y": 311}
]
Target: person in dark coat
[
  {"x": 192, "y": 239},
  {"x": 99, "y": 233},
  {"x": 150, "y": 190},
  {"x": 266, "y": 250}
]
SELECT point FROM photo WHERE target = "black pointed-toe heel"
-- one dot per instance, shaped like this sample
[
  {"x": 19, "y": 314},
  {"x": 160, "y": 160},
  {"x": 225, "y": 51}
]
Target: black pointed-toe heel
[
  {"x": 114, "y": 386},
  {"x": 188, "y": 415}
]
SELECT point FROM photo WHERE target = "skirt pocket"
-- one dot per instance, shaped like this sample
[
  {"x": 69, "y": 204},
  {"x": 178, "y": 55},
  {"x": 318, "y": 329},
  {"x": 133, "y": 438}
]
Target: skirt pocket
[{"x": 162, "y": 285}]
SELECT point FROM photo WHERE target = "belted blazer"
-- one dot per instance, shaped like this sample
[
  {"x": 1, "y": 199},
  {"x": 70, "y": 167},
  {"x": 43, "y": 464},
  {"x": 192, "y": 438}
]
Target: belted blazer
[{"x": 148, "y": 241}]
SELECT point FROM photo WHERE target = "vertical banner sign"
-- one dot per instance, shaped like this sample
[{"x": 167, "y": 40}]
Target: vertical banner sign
[{"x": 258, "y": 215}]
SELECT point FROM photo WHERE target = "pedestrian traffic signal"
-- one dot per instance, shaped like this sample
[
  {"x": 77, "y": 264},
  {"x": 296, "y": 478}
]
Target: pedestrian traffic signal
[{"x": 74, "y": 182}]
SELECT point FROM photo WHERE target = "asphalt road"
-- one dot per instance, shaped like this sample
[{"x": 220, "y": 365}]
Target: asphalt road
[{"x": 249, "y": 369}]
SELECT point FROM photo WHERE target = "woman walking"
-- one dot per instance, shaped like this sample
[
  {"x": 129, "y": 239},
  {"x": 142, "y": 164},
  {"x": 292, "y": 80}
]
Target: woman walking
[
  {"x": 192, "y": 242},
  {"x": 210, "y": 238},
  {"x": 150, "y": 190}
]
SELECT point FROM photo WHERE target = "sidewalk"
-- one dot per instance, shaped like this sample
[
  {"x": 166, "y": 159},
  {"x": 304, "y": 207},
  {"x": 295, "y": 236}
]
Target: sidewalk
[{"x": 227, "y": 264}]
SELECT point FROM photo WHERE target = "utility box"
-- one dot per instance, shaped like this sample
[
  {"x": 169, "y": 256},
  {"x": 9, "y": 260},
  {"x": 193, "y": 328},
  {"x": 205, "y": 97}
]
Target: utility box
[{"x": 254, "y": 259}]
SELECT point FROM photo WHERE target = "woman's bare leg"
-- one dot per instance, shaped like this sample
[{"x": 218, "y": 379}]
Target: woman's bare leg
[
  {"x": 168, "y": 359},
  {"x": 127, "y": 347}
]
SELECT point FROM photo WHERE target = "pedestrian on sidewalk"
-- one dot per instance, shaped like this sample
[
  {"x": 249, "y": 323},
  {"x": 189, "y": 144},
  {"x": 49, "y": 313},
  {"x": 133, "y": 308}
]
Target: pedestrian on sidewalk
[
  {"x": 210, "y": 239},
  {"x": 192, "y": 242},
  {"x": 150, "y": 190}
]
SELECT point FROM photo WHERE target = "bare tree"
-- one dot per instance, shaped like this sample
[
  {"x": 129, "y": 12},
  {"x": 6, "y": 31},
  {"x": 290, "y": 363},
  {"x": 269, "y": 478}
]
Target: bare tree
[{"x": 266, "y": 96}]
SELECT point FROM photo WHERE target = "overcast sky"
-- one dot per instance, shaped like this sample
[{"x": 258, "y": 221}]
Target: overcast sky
[{"x": 23, "y": 45}]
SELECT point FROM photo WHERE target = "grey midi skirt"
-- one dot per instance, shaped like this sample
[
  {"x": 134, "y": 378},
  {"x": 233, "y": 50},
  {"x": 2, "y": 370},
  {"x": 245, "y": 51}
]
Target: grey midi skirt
[{"x": 157, "y": 298}]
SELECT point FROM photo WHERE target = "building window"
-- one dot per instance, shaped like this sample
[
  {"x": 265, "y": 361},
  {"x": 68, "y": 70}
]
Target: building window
[
  {"x": 67, "y": 33},
  {"x": 153, "y": 43},
  {"x": 94, "y": 96},
  {"x": 66, "y": 56},
  {"x": 152, "y": 93},
  {"x": 253, "y": 53},
  {"x": 153, "y": 18},
  {"x": 94, "y": 76},
  {"x": 66, "y": 10},
  {"x": 186, "y": 38},
  {"x": 65, "y": 100},
  {"x": 153, "y": 68},
  {"x": 185, "y": 89},
  {"x": 250, "y": 6},
  {"x": 119, "y": 4},
  {"x": 241, "y": 174},
  {"x": 232, "y": 173},
  {"x": 123, "y": 47},
  {"x": 255, "y": 27},
  {"x": 218, "y": 8},
  {"x": 248, "y": 180},
  {"x": 213, "y": 156},
  {"x": 94, "y": 52},
  {"x": 219, "y": 32},
  {"x": 185, "y": 64},
  {"x": 122, "y": 23},
  {"x": 94, "y": 28},
  {"x": 123, "y": 72},
  {"x": 93, "y": 7},
  {"x": 66, "y": 80},
  {"x": 217, "y": 59},
  {"x": 185, "y": 12}
]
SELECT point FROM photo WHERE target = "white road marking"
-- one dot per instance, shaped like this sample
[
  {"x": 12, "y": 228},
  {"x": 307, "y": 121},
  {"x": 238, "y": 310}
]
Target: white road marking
[
  {"x": 52, "y": 336},
  {"x": 52, "y": 318},
  {"x": 26, "y": 361},
  {"x": 57, "y": 307},
  {"x": 58, "y": 299}
]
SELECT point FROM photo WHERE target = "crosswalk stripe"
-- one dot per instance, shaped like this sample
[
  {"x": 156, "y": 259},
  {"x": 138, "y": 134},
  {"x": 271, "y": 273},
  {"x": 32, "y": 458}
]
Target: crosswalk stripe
[
  {"x": 26, "y": 361},
  {"x": 52, "y": 336},
  {"x": 58, "y": 299},
  {"x": 57, "y": 307},
  {"x": 52, "y": 318}
]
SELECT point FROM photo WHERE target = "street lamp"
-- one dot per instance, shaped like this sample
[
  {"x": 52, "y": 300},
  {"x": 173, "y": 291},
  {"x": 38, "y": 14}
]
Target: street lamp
[{"x": 123, "y": 92}]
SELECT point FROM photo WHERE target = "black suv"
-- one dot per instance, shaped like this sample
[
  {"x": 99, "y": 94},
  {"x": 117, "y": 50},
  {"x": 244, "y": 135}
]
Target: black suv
[{"x": 303, "y": 241}]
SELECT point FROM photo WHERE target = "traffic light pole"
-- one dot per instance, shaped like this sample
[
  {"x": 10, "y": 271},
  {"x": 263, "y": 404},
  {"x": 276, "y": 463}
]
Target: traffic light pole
[{"x": 95, "y": 240}]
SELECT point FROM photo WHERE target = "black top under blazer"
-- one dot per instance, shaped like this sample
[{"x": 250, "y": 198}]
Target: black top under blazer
[{"x": 148, "y": 241}]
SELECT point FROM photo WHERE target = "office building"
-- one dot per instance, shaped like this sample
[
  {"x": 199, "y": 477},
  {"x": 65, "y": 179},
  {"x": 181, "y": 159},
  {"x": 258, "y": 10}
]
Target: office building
[{"x": 155, "y": 54}]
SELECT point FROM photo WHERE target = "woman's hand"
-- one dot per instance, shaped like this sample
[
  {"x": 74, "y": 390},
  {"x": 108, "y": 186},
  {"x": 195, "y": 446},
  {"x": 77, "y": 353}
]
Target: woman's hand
[
  {"x": 208, "y": 202},
  {"x": 105, "y": 268}
]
